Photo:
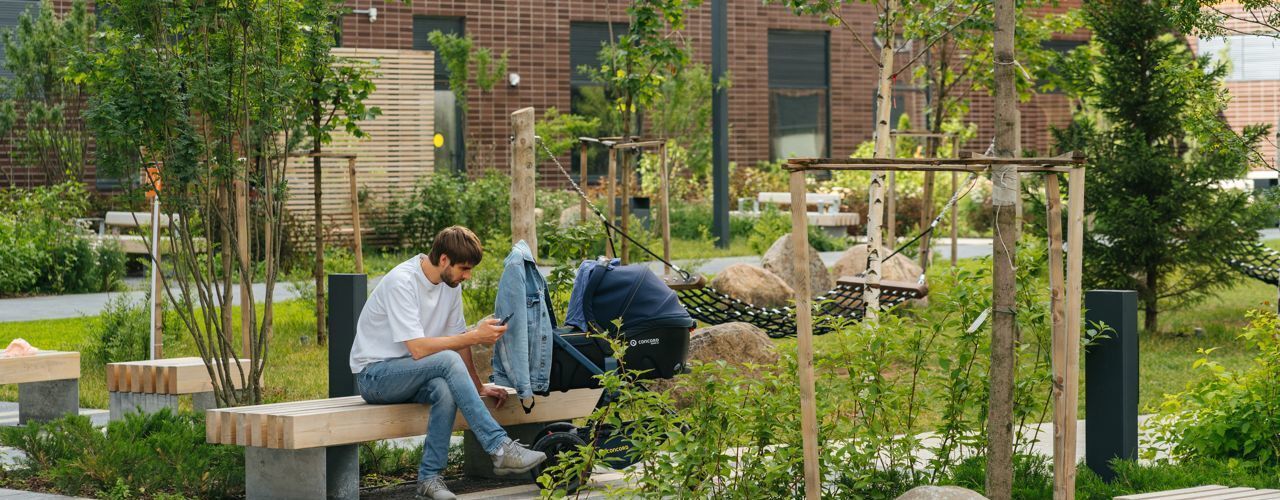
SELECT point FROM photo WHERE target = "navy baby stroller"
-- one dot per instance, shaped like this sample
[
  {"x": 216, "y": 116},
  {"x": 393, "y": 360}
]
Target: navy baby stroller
[{"x": 655, "y": 328}]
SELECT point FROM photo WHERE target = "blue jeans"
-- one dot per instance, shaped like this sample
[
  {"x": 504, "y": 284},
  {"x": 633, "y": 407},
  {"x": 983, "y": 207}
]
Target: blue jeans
[{"x": 441, "y": 380}]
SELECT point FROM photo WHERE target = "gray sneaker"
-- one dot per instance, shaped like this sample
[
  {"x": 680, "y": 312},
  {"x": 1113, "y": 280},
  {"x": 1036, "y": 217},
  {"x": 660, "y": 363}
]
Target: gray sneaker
[
  {"x": 434, "y": 489},
  {"x": 516, "y": 459}
]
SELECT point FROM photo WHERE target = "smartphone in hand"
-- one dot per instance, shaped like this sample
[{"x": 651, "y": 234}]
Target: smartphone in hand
[{"x": 506, "y": 319}]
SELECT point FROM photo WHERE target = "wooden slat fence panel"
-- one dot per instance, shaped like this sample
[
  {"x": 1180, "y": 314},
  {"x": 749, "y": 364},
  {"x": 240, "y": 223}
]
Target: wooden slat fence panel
[{"x": 397, "y": 155}]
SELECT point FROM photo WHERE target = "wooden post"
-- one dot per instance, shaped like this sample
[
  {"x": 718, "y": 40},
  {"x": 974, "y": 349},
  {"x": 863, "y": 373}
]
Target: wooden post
[
  {"x": 955, "y": 246},
  {"x": 356, "y": 237},
  {"x": 246, "y": 280},
  {"x": 582, "y": 181},
  {"x": 665, "y": 214},
  {"x": 1071, "y": 386},
  {"x": 1004, "y": 199},
  {"x": 612, "y": 194},
  {"x": 804, "y": 332},
  {"x": 523, "y": 186},
  {"x": 157, "y": 283},
  {"x": 626, "y": 203},
  {"x": 891, "y": 212},
  {"x": 1057, "y": 292}
]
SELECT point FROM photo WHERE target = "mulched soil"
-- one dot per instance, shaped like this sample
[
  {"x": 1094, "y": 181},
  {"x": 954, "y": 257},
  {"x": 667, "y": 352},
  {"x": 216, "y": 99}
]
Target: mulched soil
[{"x": 458, "y": 485}]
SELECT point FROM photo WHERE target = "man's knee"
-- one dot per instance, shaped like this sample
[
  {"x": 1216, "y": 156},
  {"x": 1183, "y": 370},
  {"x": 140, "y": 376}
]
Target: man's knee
[{"x": 451, "y": 359}]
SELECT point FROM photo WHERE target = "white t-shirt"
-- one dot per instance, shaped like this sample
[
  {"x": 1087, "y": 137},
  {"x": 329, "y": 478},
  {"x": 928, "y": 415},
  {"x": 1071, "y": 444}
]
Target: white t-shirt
[{"x": 405, "y": 306}]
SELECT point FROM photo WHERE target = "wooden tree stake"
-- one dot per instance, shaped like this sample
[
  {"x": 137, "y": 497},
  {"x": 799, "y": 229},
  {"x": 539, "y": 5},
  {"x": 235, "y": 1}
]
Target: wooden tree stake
[
  {"x": 804, "y": 332},
  {"x": 582, "y": 181},
  {"x": 1071, "y": 386},
  {"x": 246, "y": 280},
  {"x": 665, "y": 214},
  {"x": 611, "y": 190},
  {"x": 357, "y": 244},
  {"x": 523, "y": 184},
  {"x": 1057, "y": 292}
]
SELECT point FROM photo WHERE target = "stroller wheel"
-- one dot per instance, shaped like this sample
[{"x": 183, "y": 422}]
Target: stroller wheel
[{"x": 553, "y": 444}]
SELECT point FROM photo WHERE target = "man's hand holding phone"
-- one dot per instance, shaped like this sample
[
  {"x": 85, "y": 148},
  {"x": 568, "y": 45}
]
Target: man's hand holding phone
[{"x": 489, "y": 330}]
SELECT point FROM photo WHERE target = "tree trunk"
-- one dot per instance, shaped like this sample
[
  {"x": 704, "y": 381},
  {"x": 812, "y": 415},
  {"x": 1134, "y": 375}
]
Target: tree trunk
[
  {"x": 321, "y": 334},
  {"x": 875, "y": 191},
  {"x": 1004, "y": 197},
  {"x": 1151, "y": 323}
]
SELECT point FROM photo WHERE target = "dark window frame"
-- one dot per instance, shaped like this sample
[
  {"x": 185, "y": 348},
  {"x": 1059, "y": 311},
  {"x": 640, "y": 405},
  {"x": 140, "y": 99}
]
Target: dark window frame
[
  {"x": 597, "y": 168},
  {"x": 422, "y": 26},
  {"x": 780, "y": 78}
]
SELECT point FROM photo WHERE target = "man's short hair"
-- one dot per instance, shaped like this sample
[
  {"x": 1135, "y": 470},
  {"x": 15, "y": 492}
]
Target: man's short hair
[{"x": 459, "y": 243}]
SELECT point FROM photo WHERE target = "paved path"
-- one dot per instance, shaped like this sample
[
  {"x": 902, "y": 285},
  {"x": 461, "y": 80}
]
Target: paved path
[
  {"x": 27, "y": 495},
  {"x": 92, "y": 304}
]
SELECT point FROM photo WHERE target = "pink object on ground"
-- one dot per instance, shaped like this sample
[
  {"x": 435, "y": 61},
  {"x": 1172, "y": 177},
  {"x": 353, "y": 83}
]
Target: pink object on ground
[{"x": 18, "y": 348}]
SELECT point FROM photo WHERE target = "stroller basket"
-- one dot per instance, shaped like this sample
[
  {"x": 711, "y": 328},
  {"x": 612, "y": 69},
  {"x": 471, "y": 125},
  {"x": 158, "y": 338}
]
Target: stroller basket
[{"x": 657, "y": 351}]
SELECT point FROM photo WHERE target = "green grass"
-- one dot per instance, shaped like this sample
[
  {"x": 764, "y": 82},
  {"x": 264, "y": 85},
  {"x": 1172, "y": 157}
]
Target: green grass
[{"x": 296, "y": 367}]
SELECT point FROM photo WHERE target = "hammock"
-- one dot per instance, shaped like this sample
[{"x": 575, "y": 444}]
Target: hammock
[
  {"x": 1257, "y": 261},
  {"x": 838, "y": 305}
]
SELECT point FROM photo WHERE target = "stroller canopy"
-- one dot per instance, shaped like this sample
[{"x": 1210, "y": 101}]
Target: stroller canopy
[{"x": 633, "y": 293}]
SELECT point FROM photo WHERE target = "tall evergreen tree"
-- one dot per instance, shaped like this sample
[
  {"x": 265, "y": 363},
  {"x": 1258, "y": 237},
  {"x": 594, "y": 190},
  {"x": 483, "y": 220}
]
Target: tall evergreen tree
[{"x": 1159, "y": 150}]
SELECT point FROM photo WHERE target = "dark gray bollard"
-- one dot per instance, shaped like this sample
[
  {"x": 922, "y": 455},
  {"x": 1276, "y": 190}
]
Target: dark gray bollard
[
  {"x": 1111, "y": 381},
  {"x": 347, "y": 293}
]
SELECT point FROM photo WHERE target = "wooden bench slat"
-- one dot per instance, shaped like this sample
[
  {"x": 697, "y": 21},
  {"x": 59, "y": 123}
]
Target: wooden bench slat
[
  {"x": 173, "y": 376},
  {"x": 1250, "y": 494},
  {"x": 1164, "y": 494},
  {"x": 349, "y": 420},
  {"x": 44, "y": 366}
]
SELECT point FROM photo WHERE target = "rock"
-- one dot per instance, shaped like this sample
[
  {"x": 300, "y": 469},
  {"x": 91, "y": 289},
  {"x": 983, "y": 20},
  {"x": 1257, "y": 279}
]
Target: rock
[
  {"x": 940, "y": 493},
  {"x": 778, "y": 260},
  {"x": 754, "y": 285},
  {"x": 734, "y": 343},
  {"x": 854, "y": 261},
  {"x": 570, "y": 216}
]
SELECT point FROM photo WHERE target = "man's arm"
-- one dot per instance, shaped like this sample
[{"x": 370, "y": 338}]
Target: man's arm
[{"x": 487, "y": 332}]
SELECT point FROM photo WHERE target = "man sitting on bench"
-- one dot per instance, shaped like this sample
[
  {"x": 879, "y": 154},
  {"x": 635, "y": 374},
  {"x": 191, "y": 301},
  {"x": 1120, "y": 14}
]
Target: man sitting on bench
[{"x": 412, "y": 345}]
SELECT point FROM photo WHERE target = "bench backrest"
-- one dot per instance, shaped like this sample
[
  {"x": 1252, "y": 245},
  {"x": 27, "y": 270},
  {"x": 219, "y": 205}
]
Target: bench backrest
[{"x": 134, "y": 219}]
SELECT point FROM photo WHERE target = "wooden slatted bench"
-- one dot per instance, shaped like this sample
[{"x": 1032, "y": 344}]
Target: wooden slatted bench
[
  {"x": 148, "y": 386},
  {"x": 308, "y": 449},
  {"x": 1212, "y": 492},
  {"x": 828, "y": 215},
  {"x": 48, "y": 384}
]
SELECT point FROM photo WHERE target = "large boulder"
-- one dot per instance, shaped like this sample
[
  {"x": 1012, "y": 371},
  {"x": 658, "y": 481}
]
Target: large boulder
[
  {"x": 570, "y": 216},
  {"x": 753, "y": 285},
  {"x": 854, "y": 261},
  {"x": 734, "y": 343},
  {"x": 940, "y": 493},
  {"x": 779, "y": 260}
]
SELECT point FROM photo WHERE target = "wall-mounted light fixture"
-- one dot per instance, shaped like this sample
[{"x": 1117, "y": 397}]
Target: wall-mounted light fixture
[
  {"x": 513, "y": 79},
  {"x": 371, "y": 11}
]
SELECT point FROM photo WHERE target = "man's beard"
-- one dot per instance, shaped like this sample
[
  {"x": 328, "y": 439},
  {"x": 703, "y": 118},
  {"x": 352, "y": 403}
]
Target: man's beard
[{"x": 447, "y": 277}]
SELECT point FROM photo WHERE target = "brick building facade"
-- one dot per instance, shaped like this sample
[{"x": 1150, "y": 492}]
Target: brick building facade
[{"x": 536, "y": 34}]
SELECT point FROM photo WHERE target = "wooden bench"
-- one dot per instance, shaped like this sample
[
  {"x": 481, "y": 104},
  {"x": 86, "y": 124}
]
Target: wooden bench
[
  {"x": 1212, "y": 492},
  {"x": 48, "y": 384},
  {"x": 827, "y": 215},
  {"x": 110, "y": 226},
  {"x": 148, "y": 386},
  {"x": 309, "y": 449}
]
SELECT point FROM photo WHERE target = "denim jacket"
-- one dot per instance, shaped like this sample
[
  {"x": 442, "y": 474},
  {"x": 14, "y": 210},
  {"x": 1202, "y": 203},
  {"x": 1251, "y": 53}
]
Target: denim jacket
[{"x": 522, "y": 357}]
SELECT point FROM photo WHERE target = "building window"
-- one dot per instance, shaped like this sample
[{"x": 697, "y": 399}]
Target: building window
[
  {"x": 586, "y": 96},
  {"x": 798, "y": 97},
  {"x": 10, "y": 11},
  {"x": 1061, "y": 49},
  {"x": 450, "y": 124},
  {"x": 1249, "y": 57}
]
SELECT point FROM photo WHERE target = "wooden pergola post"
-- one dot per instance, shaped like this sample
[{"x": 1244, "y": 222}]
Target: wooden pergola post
[
  {"x": 582, "y": 180},
  {"x": 612, "y": 197},
  {"x": 523, "y": 183},
  {"x": 357, "y": 244},
  {"x": 804, "y": 333}
]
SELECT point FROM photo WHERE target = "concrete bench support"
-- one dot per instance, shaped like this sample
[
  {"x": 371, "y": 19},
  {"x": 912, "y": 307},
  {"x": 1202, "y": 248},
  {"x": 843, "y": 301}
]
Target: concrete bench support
[
  {"x": 124, "y": 403},
  {"x": 44, "y": 401},
  {"x": 310, "y": 473}
]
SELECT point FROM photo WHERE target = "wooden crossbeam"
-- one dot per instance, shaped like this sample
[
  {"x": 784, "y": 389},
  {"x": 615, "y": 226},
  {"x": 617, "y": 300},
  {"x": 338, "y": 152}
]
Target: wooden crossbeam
[
  {"x": 350, "y": 420},
  {"x": 43, "y": 366},
  {"x": 975, "y": 163},
  {"x": 887, "y": 285}
]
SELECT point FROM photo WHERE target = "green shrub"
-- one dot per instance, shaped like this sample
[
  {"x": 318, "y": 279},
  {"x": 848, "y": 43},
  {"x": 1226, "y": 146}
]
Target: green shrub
[
  {"x": 693, "y": 221},
  {"x": 1230, "y": 414},
  {"x": 120, "y": 333},
  {"x": 482, "y": 204},
  {"x": 43, "y": 251},
  {"x": 142, "y": 455}
]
